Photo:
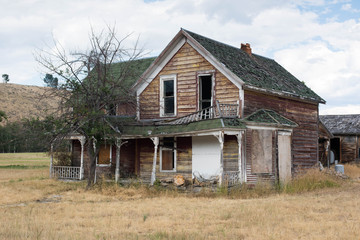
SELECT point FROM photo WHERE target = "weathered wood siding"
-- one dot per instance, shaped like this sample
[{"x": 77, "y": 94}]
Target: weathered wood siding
[
  {"x": 348, "y": 148},
  {"x": 231, "y": 153},
  {"x": 183, "y": 161},
  {"x": 305, "y": 137},
  {"x": 186, "y": 64}
]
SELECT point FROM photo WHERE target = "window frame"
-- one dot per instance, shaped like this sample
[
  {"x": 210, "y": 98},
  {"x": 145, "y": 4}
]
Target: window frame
[
  {"x": 104, "y": 165},
  {"x": 175, "y": 155},
  {"x": 210, "y": 73},
  {"x": 163, "y": 78}
]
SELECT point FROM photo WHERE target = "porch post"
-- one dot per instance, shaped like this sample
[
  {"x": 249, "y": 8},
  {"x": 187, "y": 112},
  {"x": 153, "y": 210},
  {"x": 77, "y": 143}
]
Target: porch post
[
  {"x": 51, "y": 159},
  {"x": 220, "y": 137},
  {"x": 153, "y": 173},
  {"x": 117, "y": 169},
  {"x": 240, "y": 163},
  {"x": 82, "y": 142}
]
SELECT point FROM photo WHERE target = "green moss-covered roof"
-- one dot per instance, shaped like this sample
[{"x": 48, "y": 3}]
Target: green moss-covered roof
[
  {"x": 133, "y": 70},
  {"x": 155, "y": 130},
  {"x": 255, "y": 70},
  {"x": 269, "y": 117}
]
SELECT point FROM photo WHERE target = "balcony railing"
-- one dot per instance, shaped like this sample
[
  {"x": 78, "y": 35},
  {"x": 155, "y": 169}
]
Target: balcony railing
[
  {"x": 66, "y": 172},
  {"x": 220, "y": 110}
]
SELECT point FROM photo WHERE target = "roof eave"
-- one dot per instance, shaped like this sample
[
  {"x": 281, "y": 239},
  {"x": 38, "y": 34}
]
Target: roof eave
[{"x": 284, "y": 94}]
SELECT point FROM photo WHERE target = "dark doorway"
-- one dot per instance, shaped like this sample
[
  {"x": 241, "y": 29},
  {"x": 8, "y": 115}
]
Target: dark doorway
[{"x": 335, "y": 147}]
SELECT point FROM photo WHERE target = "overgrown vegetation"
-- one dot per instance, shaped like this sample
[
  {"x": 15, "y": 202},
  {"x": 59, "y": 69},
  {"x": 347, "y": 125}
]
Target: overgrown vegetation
[{"x": 32, "y": 206}]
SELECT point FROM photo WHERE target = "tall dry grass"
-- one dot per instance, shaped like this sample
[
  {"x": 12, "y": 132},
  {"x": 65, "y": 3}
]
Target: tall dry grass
[
  {"x": 352, "y": 170},
  {"x": 41, "y": 208}
]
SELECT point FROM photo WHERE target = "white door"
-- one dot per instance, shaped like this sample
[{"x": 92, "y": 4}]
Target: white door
[
  {"x": 206, "y": 156},
  {"x": 284, "y": 146}
]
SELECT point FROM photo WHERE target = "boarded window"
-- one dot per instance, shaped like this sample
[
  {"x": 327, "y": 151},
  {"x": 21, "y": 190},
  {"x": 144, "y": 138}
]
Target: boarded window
[
  {"x": 104, "y": 154},
  {"x": 168, "y": 155},
  {"x": 261, "y": 151}
]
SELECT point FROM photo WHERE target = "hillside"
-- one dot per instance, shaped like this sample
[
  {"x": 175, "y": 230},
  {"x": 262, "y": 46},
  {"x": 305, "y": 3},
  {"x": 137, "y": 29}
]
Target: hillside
[{"x": 21, "y": 101}]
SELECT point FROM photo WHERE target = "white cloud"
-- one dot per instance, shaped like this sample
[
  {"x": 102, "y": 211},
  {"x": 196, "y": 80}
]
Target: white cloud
[
  {"x": 324, "y": 54},
  {"x": 347, "y": 109}
]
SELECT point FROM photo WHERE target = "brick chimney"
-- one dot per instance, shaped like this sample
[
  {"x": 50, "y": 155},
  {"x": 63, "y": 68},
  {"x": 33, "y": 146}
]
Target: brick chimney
[{"x": 246, "y": 48}]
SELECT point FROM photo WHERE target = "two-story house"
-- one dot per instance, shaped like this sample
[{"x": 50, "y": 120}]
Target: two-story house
[{"x": 208, "y": 109}]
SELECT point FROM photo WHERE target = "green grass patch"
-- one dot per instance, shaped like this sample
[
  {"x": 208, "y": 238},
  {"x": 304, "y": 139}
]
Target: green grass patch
[{"x": 23, "y": 166}]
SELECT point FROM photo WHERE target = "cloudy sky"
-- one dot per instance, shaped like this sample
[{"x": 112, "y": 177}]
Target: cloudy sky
[{"x": 318, "y": 41}]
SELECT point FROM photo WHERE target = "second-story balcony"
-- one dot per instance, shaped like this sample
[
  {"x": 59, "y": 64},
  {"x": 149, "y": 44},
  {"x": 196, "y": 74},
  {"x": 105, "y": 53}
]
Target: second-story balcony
[{"x": 220, "y": 110}]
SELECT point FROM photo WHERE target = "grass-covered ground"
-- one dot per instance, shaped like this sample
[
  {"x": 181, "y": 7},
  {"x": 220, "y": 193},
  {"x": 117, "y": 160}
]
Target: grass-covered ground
[{"x": 32, "y": 206}]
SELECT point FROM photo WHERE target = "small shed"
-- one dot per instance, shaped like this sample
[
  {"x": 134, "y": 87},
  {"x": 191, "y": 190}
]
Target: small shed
[{"x": 345, "y": 144}]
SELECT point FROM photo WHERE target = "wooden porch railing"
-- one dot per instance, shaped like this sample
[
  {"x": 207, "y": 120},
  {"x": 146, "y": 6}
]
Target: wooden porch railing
[
  {"x": 220, "y": 110},
  {"x": 66, "y": 172},
  {"x": 231, "y": 178}
]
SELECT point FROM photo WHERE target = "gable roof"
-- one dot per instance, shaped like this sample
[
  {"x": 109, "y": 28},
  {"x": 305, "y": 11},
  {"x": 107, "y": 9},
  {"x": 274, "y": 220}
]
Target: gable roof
[
  {"x": 342, "y": 124},
  {"x": 269, "y": 117},
  {"x": 256, "y": 71}
]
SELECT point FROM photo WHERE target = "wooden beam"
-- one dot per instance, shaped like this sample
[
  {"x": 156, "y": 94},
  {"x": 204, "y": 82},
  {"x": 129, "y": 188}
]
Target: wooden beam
[
  {"x": 82, "y": 142},
  {"x": 51, "y": 159},
  {"x": 153, "y": 172}
]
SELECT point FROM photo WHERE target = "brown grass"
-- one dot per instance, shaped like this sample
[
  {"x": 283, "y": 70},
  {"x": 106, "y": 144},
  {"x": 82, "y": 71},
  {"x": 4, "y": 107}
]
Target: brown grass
[
  {"x": 66, "y": 211},
  {"x": 21, "y": 101},
  {"x": 352, "y": 170}
]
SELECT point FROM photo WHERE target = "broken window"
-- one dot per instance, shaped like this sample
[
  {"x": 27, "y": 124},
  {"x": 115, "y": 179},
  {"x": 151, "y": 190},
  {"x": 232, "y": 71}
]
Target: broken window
[
  {"x": 168, "y": 95},
  {"x": 168, "y": 154},
  {"x": 104, "y": 157},
  {"x": 205, "y": 91},
  {"x": 111, "y": 110}
]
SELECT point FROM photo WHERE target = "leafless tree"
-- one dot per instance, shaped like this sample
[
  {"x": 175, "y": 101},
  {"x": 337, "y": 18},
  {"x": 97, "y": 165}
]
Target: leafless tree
[{"x": 91, "y": 83}]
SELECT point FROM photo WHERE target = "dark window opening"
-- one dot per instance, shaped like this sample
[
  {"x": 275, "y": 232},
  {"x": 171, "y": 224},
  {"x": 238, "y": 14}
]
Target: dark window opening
[
  {"x": 169, "y": 97},
  {"x": 205, "y": 94},
  {"x": 111, "y": 110}
]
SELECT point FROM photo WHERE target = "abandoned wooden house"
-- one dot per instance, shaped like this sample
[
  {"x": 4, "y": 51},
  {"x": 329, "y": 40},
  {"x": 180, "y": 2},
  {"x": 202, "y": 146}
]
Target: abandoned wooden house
[
  {"x": 345, "y": 142},
  {"x": 207, "y": 109}
]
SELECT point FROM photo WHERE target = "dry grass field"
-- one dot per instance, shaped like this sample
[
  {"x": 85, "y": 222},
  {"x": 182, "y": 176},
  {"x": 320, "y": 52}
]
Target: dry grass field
[{"x": 35, "y": 207}]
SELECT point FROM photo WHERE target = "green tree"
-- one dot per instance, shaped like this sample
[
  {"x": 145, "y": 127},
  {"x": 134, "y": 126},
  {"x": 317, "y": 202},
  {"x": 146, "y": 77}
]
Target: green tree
[
  {"x": 51, "y": 81},
  {"x": 5, "y": 78},
  {"x": 89, "y": 85}
]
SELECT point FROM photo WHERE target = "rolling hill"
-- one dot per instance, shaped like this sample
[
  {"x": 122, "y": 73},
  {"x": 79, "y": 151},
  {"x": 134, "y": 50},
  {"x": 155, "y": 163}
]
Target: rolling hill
[{"x": 22, "y": 101}]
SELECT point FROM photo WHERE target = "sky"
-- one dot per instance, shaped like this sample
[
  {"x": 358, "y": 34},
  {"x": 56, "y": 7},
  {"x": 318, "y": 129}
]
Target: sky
[{"x": 318, "y": 41}]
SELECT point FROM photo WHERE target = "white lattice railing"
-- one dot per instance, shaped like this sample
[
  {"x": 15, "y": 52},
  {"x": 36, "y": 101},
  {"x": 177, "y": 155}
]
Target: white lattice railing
[
  {"x": 65, "y": 172},
  {"x": 231, "y": 178}
]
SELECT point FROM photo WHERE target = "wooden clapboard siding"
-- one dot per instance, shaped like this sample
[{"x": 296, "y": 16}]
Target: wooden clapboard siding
[
  {"x": 76, "y": 153},
  {"x": 183, "y": 162},
  {"x": 305, "y": 137},
  {"x": 186, "y": 64},
  {"x": 348, "y": 148},
  {"x": 127, "y": 158},
  {"x": 231, "y": 153}
]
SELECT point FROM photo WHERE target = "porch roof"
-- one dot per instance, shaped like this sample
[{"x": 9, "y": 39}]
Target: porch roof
[{"x": 180, "y": 129}]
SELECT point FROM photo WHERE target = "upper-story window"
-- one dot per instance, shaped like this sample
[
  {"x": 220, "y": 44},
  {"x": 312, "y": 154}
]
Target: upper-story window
[{"x": 168, "y": 95}]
